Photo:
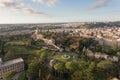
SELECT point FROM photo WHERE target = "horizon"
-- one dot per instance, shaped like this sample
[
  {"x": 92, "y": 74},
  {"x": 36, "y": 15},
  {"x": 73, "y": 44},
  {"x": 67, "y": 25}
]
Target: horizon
[
  {"x": 58, "y": 11},
  {"x": 62, "y": 22}
]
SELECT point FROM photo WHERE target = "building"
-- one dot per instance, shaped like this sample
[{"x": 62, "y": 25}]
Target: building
[
  {"x": 11, "y": 65},
  {"x": 38, "y": 36},
  {"x": 115, "y": 78}
]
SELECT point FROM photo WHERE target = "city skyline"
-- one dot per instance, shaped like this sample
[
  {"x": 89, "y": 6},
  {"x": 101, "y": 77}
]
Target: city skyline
[{"x": 49, "y": 11}]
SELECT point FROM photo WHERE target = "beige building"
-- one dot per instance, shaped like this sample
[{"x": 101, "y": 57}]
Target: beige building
[{"x": 11, "y": 65}]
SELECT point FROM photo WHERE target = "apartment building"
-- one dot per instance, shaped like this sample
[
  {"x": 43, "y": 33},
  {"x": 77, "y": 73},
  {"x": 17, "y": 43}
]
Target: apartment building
[{"x": 11, "y": 65}]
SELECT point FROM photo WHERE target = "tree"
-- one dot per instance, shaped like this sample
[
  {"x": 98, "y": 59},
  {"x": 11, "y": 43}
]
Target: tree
[
  {"x": 22, "y": 76},
  {"x": 84, "y": 54},
  {"x": 118, "y": 54},
  {"x": 105, "y": 69},
  {"x": 105, "y": 64},
  {"x": 33, "y": 70},
  {"x": 91, "y": 67},
  {"x": 72, "y": 66},
  {"x": 33, "y": 42},
  {"x": 9, "y": 75},
  {"x": 84, "y": 72},
  {"x": 3, "y": 48},
  {"x": 59, "y": 67},
  {"x": 44, "y": 55}
]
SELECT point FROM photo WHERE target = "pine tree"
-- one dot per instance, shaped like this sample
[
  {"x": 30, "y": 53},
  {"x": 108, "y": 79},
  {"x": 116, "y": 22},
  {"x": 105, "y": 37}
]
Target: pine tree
[{"x": 2, "y": 48}]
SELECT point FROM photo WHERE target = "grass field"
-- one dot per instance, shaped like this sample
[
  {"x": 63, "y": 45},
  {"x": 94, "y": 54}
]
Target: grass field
[{"x": 59, "y": 57}]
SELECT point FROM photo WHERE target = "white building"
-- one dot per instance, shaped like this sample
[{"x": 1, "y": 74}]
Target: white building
[{"x": 11, "y": 65}]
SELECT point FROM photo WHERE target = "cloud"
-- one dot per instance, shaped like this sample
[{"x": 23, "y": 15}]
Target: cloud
[
  {"x": 98, "y": 4},
  {"x": 48, "y": 3},
  {"x": 18, "y": 5}
]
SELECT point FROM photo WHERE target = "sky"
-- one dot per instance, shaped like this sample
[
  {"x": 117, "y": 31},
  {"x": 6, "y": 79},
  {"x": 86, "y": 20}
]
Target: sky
[{"x": 52, "y": 11}]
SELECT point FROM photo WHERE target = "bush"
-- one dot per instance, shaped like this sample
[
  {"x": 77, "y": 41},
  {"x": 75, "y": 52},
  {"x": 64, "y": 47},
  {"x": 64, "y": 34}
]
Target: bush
[{"x": 9, "y": 75}]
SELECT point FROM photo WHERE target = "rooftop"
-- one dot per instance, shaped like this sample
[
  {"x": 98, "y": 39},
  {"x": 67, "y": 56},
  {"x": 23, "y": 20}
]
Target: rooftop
[{"x": 10, "y": 62}]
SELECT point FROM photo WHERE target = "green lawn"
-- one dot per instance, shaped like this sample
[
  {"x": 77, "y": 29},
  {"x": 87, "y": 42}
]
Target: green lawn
[
  {"x": 20, "y": 43},
  {"x": 59, "y": 57}
]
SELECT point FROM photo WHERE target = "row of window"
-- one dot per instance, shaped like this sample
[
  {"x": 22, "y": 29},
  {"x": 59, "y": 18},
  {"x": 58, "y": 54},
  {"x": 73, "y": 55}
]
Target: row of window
[{"x": 17, "y": 67}]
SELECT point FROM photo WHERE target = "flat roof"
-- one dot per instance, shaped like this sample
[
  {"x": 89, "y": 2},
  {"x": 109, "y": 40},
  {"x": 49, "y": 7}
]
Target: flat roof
[{"x": 10, "y": 62}]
